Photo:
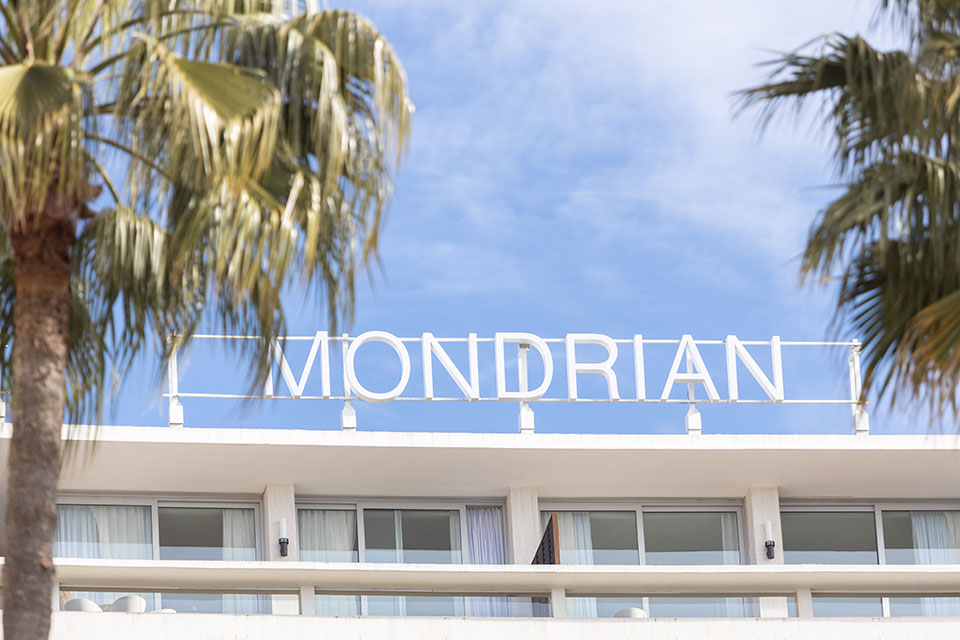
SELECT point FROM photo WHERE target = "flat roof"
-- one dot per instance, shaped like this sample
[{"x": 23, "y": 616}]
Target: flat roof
[{"x": 371, "y": 464}]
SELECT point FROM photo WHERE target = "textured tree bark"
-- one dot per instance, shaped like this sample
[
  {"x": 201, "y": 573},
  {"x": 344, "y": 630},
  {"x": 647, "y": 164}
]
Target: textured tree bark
[{"x": 41, "y": 313}]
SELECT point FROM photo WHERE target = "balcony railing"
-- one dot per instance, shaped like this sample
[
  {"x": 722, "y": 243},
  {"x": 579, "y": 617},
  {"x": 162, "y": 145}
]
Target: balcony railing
[{"x": 555, "y": 582}]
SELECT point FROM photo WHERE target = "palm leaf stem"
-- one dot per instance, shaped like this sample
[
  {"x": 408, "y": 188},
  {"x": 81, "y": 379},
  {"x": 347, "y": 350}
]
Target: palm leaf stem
[
  {"x": 82, "y": 48},
  {"x": 124, "y": 26},
  {"x": 61, "y": 45},
  {"x": 122, "y": 147},
  {"x": 103, "y": 174},
  {"x": 7, "y": 53},
  {"x": 120, "y": 57},
  {"x": 13, "y": 27},
  {"x": 28, "y": 49}
]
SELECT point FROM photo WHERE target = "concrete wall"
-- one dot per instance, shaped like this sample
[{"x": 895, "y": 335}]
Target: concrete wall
[{"x": 106, "y": 626}]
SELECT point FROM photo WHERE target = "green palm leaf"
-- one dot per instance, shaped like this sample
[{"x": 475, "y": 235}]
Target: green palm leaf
[
  {"x": 892, "y": 235},
  {"x": 202, "y": 120},
  {"x": 42, "y": 109}
]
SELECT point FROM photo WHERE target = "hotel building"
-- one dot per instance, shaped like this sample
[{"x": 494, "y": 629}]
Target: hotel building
[{"x": 176, "y": 532}]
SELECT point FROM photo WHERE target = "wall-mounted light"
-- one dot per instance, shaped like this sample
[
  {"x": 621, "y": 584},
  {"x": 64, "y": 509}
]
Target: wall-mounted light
[
  {"x": 770, "y": 544},
  {"x": 284, "y": 540}
]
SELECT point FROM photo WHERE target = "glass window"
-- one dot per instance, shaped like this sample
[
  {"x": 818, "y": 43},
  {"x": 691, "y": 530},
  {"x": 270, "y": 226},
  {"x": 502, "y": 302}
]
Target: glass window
[
  {"x": 829, "y": 607},
  {"x": 415, "y": 606},
  {"x": 330, "y": 535},
  {"x": 709, "y": 537},
  {"x": 409, "y": 536},
  {"x": 929, "y": 606},
  {"x": 921, "y": 537},
  {"x": 597, "y": 537},
  {"x": 485, "y": 535},
  {"x": 832, "y": 537},
  {"x": 103, "y": 531},
  {"x": 848, "y": 607},
  {"x": 201, "y": 533},
  {"x": 674, "y": 537},
  {"x": 412, "y": 535},
  {"x": 829, "y": 537},
  {"x": 693, "y": 537}
]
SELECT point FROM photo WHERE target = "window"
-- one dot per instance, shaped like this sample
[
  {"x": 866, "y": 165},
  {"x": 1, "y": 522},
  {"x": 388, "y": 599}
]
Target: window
[
  {"x": 412, "y": 536},
  {"x": 669, "y": 537},
  {"x": 208, "y": 533},
  {"x": 829, "y": 537},
  {"x": 376, "y": 533},
  {"x": 833, "y": 537},
  {"x": 152, "y": 530},
  {"x": 851, "y": 536},
  {"x": 103, "y": 531},
  {"x": 597, "y": 537},
  {"x": 922, "y": 537},
  {"x": 697, "y": 538},
  {"x": 708, "y": 537}
]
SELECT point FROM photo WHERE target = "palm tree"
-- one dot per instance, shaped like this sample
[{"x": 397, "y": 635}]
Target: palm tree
[
  {"x": 163, "y": 163},
  {"x": 892, "y": 237}
]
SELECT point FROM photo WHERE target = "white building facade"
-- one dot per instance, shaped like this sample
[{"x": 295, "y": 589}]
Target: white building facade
[
  {"x": 432, "y": 535},
  {"x": 173, "y": 532}
]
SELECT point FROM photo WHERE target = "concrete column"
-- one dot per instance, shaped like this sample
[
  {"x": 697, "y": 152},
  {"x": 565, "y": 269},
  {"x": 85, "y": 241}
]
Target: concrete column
[
  {"x": 558, "y": 602},
  {"x": 523, "y": 524},
  {"x": 308, "y": 601},
  {"x": 804, "y": 603},
  {"x": 762, "y": 505},
  {"x": 279, "y": 501}
]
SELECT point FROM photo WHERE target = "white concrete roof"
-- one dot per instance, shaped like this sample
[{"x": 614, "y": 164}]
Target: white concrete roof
[{"x": 391, "y": 464}]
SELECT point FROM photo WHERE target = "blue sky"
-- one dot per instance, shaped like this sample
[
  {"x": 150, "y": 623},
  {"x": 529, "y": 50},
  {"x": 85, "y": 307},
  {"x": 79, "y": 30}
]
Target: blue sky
[{"x": 576, "y": 167}]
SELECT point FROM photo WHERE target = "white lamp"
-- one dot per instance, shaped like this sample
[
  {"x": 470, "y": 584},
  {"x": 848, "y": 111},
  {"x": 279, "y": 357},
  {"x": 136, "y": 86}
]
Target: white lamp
[
  {"x": 284, "y": 540},
  {"x": 770, "y": 544}
]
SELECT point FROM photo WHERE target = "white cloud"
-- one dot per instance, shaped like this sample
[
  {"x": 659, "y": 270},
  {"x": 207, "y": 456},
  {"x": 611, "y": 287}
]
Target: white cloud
[
  {"x": 611, "y": 118},
  {"x": 463, "y": 267}
]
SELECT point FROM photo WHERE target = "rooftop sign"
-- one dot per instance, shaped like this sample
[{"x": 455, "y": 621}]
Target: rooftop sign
[{"x": 688, "y": 368}]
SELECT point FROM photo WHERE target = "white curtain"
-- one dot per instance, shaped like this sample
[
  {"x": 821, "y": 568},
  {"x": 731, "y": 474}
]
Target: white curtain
[
  {"x": 239, "y": 543},
  {"x": 730, "y": 541},
  {"x": 485, "y": 543},
  {"x": 103, "y": 531},
  {"x": 330, "y": 535},
  {"x": 576, "y": 547},
  {"x": 936, "y": 540}
]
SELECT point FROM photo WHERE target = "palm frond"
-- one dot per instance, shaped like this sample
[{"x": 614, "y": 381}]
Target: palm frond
[
  {"x": 875, "y": 102},
  {"x": 201, "y": 120},
  {"x": 894, "y": 232},
  {"x": 259, "y": 139},
  {"x": 42, "y": 112}
]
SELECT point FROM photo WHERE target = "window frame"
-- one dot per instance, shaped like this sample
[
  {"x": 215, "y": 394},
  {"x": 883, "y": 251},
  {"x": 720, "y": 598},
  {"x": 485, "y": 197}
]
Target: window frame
[
  {"x": 400, "y": 504},
  {"x": 877, "y": 507},
  {"x": 654, "y": 506},
  {"x": 639, "y": 508},
  {"x": 159, "y": 501}
]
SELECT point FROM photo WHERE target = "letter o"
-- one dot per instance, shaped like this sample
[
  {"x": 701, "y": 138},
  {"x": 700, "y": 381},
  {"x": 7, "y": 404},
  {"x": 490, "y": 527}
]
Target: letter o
[{"x": 387, "y": 338}]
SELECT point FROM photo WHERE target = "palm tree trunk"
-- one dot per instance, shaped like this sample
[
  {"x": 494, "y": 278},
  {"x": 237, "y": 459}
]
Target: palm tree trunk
[{"x": 41, "y": 312}]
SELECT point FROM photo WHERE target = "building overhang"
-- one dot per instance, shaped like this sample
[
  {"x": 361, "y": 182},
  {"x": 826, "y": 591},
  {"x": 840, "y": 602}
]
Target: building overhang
[{"x": 163, "y": 460}]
